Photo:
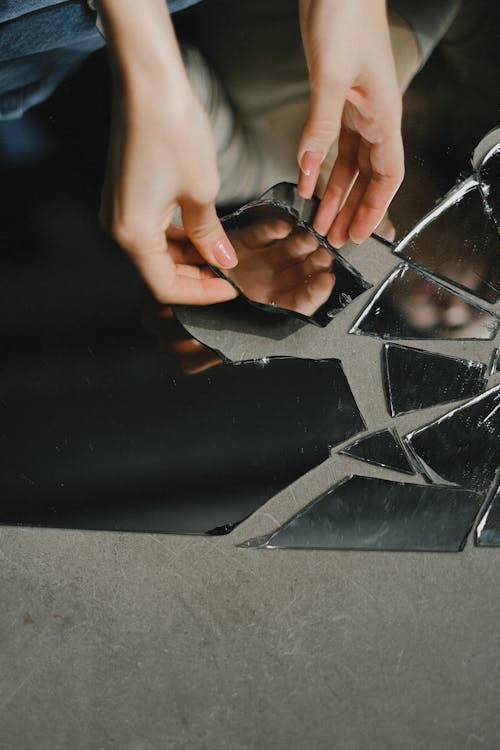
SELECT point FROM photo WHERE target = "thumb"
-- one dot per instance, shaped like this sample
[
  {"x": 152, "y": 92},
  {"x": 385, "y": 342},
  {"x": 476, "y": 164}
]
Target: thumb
[
  {"x": 321, "y": 129},
  {"x": 205, "y": 231}
]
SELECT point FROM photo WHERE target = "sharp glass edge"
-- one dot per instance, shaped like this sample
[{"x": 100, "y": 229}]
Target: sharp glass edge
[
  {"x": 494, "y": 362},
  {"x": 486, "y": 508},
  {"x": 409, "y": 472},
  {"x": 486, "y": 148}
]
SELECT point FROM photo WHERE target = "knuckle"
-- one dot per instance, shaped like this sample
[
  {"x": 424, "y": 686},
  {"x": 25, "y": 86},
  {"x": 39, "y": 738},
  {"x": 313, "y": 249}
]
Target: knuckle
[{"x": 127, "y": 234}]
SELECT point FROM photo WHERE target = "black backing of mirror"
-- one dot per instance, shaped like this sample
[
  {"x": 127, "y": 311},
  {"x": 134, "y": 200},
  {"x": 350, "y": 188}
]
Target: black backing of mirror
[
  {"x": 411, "y": 305},
  {"x": 382, "y": 448},
  {"x": 460, "y": 245},
  {"x": 283, "y": 266},
  {"x": 488, "y": 528},
  {"x": 416, "y": 379},
  {"x": 376, "y": 514},
  {"x": 488, "y": 173},
  {"x": 462, "y": 446},
  {"x": 84, "y": 449}
]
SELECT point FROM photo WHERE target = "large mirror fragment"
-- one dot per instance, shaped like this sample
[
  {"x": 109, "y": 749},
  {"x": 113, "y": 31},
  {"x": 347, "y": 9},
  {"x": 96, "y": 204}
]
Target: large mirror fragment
[
  {"x": 463, "y": 446},
  {"x": 411, "y": 305},
  {"x": 458, "y": 242},
  {"x": 89, "y": 446},
  {"x": 382, "y": 448},
  {"x": 283, "y": 265},
  {"x": 488, "y": 528},
  {"x": 376, "y": 514},
  {"x": 417, "y": 379}
]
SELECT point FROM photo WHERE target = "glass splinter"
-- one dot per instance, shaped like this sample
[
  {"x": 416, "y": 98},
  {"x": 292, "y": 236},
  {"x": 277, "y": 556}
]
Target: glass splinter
[
  {"x": 194, "y": 455},
  {"x": 375, "y": 514},
  {"x": 463, "y": 446},
  {"x": 488, "y": 528},
  {"x": 382, "y": 448},
  {"x": 283, "y": 265},
  {"x": 458, "y": 242},
  {"x": 410, "y": 305},
  {"x": 495, "y": 362},
  {"x": 416, "y": 379},
  {"x": 488, "y": 172}
]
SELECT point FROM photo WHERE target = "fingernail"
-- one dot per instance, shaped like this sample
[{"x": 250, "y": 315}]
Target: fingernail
[
  {"x": 224, "y": 254},
  {"x": 310, "y": 162}
]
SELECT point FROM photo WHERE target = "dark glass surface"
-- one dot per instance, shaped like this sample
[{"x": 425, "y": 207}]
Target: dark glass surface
[
  {"x": 375, "y": 514},
  {"x": 463, "y": 446},
  {"x": 459, "y": 244},
  {"x": 488, "y": 528},
  {"x": 416, "y": 379},
  {"x": 382, "y": 448},
  {"x": 283, "y": 265},
  {"x": 410, "y": 305},
  {"x": 91, "y": 443},
  {"x": 488, "y": 171}
]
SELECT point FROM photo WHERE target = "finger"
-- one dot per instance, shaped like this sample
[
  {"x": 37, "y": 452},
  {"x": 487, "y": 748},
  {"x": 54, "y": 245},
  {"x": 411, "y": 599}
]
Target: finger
[
  {"x": 188, "y": 290},
  {"x": 387, "y": 174},
  {"x": 341, "y": 180},
  {"x": 195, "y": 272},
  {"x": 308, "y": 297},
  {"x": 205, "y": 231},
  {"x": 321, "y": 129},
  {"x": 265, "y": 232},
  {"x": 339, "y": 232}
]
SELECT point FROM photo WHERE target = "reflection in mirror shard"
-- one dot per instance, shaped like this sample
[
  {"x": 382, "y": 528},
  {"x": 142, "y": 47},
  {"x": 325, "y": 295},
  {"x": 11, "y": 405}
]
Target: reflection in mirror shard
[
  {"x": 190, "y": 454},
  {"x": 463, "y": 446},
  {"x": 284, "y": 267},
  {"x": 416, "y": 379},
  {"x": 488, "y": 528},
  {"x": 461, "y": 244},
  {"x": 375, "y": 514},
  {"x": 382, "y": 448},
  {"x": 410, "y": 305},
  {"x": 495, "y": 362}
]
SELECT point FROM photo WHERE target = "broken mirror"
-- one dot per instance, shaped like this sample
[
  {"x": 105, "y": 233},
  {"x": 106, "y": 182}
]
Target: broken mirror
[
  {"x": 488, "y": 528},
  {"x": 495, "y": 362},
  {"x": 114, "y": 440},
  {"x": 417, "y": 379},
  {"x": 382, "y": 448},
  {"x": 463, "y": 446},
  {"x": 411, "y": 305},
  {"x": 284, "y": 266},
  {"x": 458, "y": 242},
  {"x": 376, "y": 514},
  {"x": 486, "y": 160}
]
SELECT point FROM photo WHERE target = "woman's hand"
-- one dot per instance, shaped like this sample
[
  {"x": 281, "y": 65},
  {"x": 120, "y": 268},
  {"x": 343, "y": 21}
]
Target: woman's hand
[
  {"x": 355, "y": 98},
  {"x": 161, "y": 157}
]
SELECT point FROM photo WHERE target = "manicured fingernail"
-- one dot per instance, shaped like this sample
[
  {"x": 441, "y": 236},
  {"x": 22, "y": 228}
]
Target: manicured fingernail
[
  {"x": 224, "y": 254},
  {"x": 310, "y": 162}
]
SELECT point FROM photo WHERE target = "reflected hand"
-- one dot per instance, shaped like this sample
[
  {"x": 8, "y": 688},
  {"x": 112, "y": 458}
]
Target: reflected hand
[
  {"x": 355, "y": 98},
  {"x": 282, "y": 268}
]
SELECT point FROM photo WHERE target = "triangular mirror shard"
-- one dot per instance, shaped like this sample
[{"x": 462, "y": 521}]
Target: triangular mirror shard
[
  {"x": 382, "y": 448},
  {"x": 488, "y": 528},
  {"x": 191, "y": 454},
  {"x": 416, "y": 379},
  {"x": 458, "y": 242},
  {"x": 495, "y": 362},
  {"x": 375, "y": 514},
  {"x": 410, "y": 305},
  {"x": 463, "y": 446}
]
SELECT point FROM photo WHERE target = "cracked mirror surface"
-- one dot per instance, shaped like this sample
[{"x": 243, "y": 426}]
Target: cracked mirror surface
[
  {"x": 488, "y": 528},
  {"x": 368, "y": 513},
  {"x": 463, "y": 446},
  {"x": 283, "y": 265},
  {"x": 382, "y": 448},
  {"x": 416, "y": 379},
  {"x": 459, "y": 242},
  {"x": 411, "y": 305}
]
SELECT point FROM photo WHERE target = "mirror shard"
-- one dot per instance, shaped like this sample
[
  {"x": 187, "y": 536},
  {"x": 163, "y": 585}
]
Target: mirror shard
[
  {"x": 376, "y": 514},
  {"x": 382, "y": 448},
  {"x": 416, "y": 379},
  {"x": 488, "y": 528},
  {"x": 411, "y": 305},
  {"x": 463, "y": 446}
]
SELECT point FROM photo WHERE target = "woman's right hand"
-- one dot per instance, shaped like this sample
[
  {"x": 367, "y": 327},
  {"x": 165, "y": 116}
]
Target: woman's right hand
[{"x": 161, "y": 157}]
